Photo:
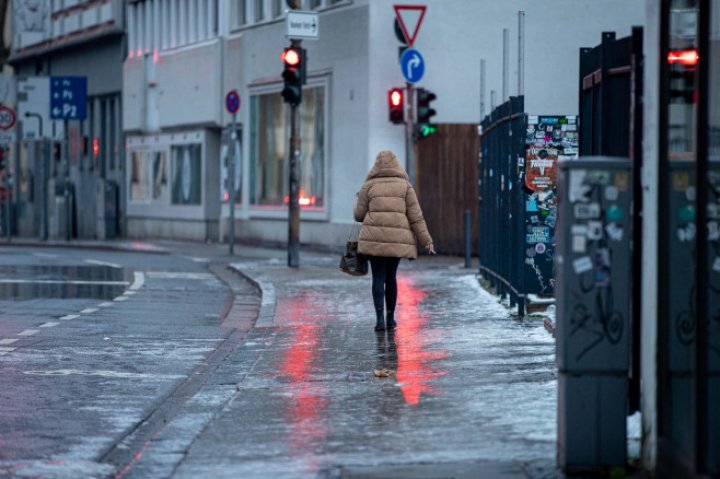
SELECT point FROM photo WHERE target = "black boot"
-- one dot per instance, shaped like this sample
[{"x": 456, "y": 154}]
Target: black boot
[
  {"x": 380, "y": 321},
  {"x": 391, "y": 324}
]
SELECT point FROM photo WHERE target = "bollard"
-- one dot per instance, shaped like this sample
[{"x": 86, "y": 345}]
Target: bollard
[{"x": 468, "y": 238}]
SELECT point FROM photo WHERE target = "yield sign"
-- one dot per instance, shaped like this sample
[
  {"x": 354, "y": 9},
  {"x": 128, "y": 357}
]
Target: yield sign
[{"x": 410, "y": 17}]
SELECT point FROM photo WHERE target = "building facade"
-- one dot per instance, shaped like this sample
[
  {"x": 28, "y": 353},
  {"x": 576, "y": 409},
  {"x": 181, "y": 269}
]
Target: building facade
[
  {"x": 185, "y": 55},
  {"x": 70, "y": 38}
]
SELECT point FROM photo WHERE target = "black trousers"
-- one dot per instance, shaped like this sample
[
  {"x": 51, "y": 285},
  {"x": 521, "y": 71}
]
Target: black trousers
[{"x": 384, "y": 271}]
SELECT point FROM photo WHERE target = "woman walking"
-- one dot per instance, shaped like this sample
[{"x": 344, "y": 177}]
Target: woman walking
[{"x": 392, "y": 224}]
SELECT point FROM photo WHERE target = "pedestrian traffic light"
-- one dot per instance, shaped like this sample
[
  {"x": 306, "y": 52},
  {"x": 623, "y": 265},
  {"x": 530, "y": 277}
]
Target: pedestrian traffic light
[
  {"x": 425, "y": 112},
  {"x": 396, "y": 105},
  {"x": 294, "y": 74}
]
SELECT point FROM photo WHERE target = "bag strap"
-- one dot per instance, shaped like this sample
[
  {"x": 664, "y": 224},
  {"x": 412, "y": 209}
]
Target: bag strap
[{"x": 352, "y": 230}]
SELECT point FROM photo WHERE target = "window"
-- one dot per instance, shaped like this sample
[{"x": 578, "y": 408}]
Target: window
[
  {"x": 238, "y": 14},
  {"x": 315, "y": 4},
  {"x": 277, "y": 8},
  {"x": 160, "y": 177},
  {"x": 186, "y": 174},
  {"x": 269, "y": 136},
  {"x": 259, "y": 10},
  {"x": 139, "y": 176}
]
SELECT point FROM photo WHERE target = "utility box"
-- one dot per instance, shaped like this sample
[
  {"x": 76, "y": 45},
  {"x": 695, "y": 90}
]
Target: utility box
[{"x": 593, "y": 300}]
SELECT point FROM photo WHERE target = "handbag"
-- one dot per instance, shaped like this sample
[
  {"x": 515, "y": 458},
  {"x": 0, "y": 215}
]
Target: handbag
[{"x": 352, "y": 262}]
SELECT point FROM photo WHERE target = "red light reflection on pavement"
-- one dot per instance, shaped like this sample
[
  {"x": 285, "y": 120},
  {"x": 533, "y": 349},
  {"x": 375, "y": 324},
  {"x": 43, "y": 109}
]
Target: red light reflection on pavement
[
  {"x": 305, "y": 410},
  {"x": 415, "y": 371}
]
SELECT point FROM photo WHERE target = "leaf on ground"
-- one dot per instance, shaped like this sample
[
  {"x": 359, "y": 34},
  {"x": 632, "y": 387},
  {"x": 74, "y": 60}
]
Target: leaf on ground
[{"x": 382, "y": 373}]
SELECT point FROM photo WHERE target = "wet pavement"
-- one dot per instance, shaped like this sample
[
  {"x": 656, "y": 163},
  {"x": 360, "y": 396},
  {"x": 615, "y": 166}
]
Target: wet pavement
[
  {"x": 170, "y": 365},
  {"x": 471, "y": 391},
  {"x": 92, "y": 343}
]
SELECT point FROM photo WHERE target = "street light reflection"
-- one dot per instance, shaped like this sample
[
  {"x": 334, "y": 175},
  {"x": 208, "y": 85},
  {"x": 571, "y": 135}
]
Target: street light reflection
[
  {"x": 306, "y": 401},
  {"x": 412, "y": 338}
]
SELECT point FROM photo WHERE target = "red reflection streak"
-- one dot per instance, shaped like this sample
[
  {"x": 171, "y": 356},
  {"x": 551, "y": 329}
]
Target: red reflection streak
[
  {"x": 307, "y": 402},
  {"x": 415, "y": 371}
]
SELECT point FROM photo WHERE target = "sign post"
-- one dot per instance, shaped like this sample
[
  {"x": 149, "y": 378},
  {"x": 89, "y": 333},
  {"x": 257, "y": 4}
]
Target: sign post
[
  {"x": 232, "y": 104},
  {"x": 68, "y": 101}
]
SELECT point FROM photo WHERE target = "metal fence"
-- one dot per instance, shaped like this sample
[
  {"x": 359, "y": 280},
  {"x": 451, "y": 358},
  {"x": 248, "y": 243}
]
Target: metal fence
[{"x": 517, "y": 203}]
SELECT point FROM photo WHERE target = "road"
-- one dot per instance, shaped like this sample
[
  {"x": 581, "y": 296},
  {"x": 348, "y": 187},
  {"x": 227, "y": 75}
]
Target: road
[{"x": 96, "y": 346}]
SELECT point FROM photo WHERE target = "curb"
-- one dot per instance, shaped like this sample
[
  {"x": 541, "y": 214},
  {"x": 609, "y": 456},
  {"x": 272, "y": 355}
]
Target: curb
[
  {"x": 149, "y": 249},
  {"x": 266, "y": 317}
]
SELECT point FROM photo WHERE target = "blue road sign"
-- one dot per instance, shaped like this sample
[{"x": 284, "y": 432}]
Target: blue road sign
[
  {"x": 412, "y": 65},
  {"x": 232, "y": 102},
  {"x": 68, "y": 98}
]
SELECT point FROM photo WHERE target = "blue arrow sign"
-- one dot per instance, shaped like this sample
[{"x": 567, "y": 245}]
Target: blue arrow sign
[
  {"x": 412, "y": 65},
  {"x": 68, "y": 98}
]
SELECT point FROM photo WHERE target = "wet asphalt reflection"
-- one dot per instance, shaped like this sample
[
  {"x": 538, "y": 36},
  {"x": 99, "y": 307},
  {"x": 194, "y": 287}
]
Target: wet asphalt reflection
[{"x": 62, "y": 282}]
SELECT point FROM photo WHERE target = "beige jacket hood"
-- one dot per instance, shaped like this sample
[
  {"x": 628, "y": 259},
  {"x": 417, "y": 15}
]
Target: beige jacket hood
[{"x": 387, "y": 206}]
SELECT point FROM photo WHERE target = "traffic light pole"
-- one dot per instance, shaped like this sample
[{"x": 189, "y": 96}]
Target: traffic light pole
[
  {"x": 409, "y": 129},
  {"x": 294, "y": 204}
]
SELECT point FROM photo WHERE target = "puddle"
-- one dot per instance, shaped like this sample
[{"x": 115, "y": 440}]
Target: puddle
[{"x": 63, "y": 282}]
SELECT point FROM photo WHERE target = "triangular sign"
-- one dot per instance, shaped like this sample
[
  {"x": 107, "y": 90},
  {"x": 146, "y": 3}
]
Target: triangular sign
[{"x": 410, "y": 17}]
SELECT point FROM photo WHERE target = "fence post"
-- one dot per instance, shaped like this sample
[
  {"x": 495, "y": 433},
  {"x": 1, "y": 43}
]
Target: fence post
[{"x": 468, "y": 239}]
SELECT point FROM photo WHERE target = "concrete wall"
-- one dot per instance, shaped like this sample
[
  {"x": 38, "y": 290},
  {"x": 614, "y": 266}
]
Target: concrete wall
[{"x": 650, "y": 184}]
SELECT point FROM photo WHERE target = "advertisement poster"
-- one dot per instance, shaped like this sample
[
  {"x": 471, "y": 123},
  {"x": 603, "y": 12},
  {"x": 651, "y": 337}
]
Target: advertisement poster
[{"x": 540, "y": 167}]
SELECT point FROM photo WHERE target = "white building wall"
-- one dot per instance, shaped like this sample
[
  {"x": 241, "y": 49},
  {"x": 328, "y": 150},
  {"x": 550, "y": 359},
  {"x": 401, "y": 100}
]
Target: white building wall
[
  {"x": 651, "y": 187},
  {"x": 356, "y": 57}
]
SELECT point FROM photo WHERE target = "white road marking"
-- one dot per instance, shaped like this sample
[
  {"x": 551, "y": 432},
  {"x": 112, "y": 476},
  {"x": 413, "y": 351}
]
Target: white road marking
[
  {"x": 28, "y": 332},
  {"x": 121, "y": 298},
  {"x": 46, "y": 255},
  {"x": 138, "y": 281},
  {"x": 4, "y": 351},
  {"x": 70, "y": 316},
  {"x": 103, "y": 263},
  {"x": 198, "y": 260},
  {"x": 105, "y": 304},
  {"x": 129, "y": 293},
  {"x": 88, "y": 310},
  {"x": 49, "y": 324},
  {"x": 62, "y": 281},
  {"x": 8, "y": 341},
  {"x": 178, "y": 275}
]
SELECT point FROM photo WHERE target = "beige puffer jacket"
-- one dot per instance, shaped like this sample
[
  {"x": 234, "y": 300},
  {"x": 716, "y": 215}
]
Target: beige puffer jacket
[{"x": 389, "y": 211}]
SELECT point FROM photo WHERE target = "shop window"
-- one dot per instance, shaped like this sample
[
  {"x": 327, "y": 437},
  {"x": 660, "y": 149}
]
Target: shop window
[
  {"x": 186, "y": 174},
  {"x": 139, "y": 176},
  {"x": 160, "y": 176},
  {"x": 269, "y": 137}
]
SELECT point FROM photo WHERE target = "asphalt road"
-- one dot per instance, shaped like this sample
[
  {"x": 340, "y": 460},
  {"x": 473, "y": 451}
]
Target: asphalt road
[{"x": 97, "y": 351}]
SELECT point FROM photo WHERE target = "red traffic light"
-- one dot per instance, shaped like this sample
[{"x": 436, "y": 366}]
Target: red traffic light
[
  {"x": 291, "y": 57},
  {"x": 689, "y": 58},
  {"x": 396, "y": 97},
  {"x": 397, "y": 106}
]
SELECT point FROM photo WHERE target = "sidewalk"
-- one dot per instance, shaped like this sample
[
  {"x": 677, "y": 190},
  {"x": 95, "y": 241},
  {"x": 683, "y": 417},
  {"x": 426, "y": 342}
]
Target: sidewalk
[{"x": 471, "y": 393}]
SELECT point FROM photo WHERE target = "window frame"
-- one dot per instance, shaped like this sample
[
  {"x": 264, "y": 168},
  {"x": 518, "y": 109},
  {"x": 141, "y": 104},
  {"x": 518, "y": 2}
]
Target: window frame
[{"x": 321, "y": 213}]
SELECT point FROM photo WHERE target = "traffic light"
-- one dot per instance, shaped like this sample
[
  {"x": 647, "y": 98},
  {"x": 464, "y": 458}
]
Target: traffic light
[
  {"x": 425, "y": 112},
  {"x": 396, "y": 105},
  {"x": 682, "y": 75},
  {"x": 294, "y": 74},
  {"x": 3, "y": 159}
]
